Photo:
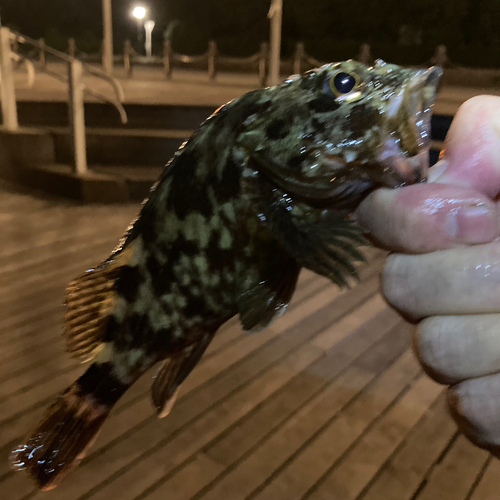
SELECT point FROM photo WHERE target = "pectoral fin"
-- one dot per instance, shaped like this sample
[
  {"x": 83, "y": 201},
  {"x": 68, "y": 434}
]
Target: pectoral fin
[
  {"x": 321, "y": 240},
  {"x": 262, "y": 304}
]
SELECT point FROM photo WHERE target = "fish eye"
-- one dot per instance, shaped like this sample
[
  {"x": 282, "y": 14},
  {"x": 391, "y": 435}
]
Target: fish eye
[{"x": 342, "y": 83}]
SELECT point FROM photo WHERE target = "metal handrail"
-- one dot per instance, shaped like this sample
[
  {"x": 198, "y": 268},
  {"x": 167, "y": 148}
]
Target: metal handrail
[
  {"x": 76, "y": 89},
  {"x": 115, "y": 84},
  {"x": 30, "y": 67},
  {"x": 94, "y": 93},
  {"x": 110, "y": 79}
]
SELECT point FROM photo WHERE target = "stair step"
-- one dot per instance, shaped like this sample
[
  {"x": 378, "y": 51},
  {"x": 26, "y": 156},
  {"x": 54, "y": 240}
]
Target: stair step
[
  {"x": 149, "y": 116},
  {"x": 132, "y": 147}
]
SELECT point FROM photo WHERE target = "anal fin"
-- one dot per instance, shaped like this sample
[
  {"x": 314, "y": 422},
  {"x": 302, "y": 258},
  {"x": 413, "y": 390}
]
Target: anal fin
[{"x": 173, "y": 372}]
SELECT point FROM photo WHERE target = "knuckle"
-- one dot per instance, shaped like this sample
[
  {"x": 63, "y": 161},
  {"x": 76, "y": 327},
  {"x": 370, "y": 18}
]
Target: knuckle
[{"x": 432, "y": 346}]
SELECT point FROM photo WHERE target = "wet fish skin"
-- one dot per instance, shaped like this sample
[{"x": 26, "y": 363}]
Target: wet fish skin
[{"x": 263, "y": 188}]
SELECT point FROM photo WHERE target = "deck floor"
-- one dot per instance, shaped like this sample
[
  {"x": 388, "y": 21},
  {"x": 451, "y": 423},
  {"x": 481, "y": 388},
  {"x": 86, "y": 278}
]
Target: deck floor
[{"x": 328, "y": 403}]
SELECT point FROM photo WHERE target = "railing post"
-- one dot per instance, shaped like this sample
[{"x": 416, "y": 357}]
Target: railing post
[
  {"x": 167, "y": 59},
  {"x": 276, "y": 17},
  {"x": 298, "y": 58},
  {"x": 77, "y": 116},
  {"x": 8, "y": 90},
  {"x": 103, "y": 57},
  {"x": 71, "y": 47},
  {"x": 212, "y": 59},
  {"x": 264, "y": 52},
  {"x": 42, "y": 60},
  {"x": 365, "y": 54},
  {"x": 107, "y": 42},
  {"x": 127, "y": 51}
]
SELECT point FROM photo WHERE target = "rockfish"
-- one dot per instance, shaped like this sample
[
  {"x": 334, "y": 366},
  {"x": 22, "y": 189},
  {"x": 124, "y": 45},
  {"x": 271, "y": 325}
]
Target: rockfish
[{"x": 264, "y": 187}]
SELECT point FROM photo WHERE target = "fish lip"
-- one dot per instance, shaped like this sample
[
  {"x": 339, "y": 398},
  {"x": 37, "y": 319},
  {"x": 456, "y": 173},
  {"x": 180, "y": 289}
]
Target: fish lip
[
  {"x": 321, "y": 191},
  {"x": 399, "y": 169}
]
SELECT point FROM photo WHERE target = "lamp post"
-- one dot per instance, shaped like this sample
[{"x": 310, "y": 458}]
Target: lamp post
[
  {"x": 139, "y": 13},
  {"x": 149, "y": 27},
  {"x": 276, "y": 16},
  {"x": 107, "y": 23}
]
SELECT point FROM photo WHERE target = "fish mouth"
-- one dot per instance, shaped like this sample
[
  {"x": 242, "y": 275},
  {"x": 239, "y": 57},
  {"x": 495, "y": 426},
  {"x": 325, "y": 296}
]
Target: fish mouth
[
  {"x": 396, "y": 169},
  {"x": 338, "y": 187},
  {"x": 404, "y": 154}
]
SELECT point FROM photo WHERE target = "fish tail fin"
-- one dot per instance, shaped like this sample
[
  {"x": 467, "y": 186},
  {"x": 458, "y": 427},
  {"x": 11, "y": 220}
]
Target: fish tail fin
[{"x": 69, "y": 427}]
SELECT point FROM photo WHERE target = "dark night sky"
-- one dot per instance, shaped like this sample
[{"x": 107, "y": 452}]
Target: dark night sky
[{"x": 326, "y": 26}]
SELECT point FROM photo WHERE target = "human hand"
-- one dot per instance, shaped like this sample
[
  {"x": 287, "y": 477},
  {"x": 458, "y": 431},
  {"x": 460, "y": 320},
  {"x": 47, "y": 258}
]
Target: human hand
[{"x": 446, "y": 274}]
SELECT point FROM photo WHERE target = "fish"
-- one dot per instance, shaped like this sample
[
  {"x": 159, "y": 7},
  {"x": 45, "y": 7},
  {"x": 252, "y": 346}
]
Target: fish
[{"x": 265, "y": 186}]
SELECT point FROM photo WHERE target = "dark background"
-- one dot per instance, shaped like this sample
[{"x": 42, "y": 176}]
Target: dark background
[{"x": 400, "y": 31}]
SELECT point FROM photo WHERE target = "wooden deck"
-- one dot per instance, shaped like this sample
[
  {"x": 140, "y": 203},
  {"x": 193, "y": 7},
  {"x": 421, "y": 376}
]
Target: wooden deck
[{"x": 329, "y": 403}]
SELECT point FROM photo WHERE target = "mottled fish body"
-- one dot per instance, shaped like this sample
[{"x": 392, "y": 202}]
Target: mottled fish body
[{"x": 263, "y": 188}]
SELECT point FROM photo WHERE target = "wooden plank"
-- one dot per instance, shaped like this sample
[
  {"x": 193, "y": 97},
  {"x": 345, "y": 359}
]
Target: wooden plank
[
  {"x": 488, "y": 486},
  {"x": 43, "y": 323},
  {"x": 401, "y": 476},
  {"x": 36, "y": 230},
  {"x": 275, "y": 397},
  {"x": 61, "y": 240},
  {"x": 235, "y": 442},
  {"x": 250, "y": 447},
  {"x": 190, "y": 479},
  {"x": 308, "y": 466},
  {"x": 286, "y": 443},
  {"x": 38, "y": 243},
  {"x": 19, "y": 293},
  {"x": 18, "y": 404},
  {"x": 454, "y": 476},
  {"x": 65, "y": 254},
  {"x": 360, "y": 465}
]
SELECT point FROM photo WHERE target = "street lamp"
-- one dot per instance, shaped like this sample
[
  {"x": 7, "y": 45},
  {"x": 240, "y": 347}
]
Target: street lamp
[
  {"x": 149, "y": 27},
  {"x": 139, "y": 13}
]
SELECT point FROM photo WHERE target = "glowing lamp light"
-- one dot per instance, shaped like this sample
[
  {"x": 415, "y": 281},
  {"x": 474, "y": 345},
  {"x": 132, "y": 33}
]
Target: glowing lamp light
[{"x": 139, "y": 12}]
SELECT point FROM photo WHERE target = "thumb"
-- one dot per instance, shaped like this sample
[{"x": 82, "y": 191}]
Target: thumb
[{"x": 471, "y": 157}]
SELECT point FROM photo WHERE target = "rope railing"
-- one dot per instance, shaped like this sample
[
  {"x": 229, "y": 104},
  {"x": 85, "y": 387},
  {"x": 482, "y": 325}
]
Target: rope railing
[{"x": 214, "y": 60}]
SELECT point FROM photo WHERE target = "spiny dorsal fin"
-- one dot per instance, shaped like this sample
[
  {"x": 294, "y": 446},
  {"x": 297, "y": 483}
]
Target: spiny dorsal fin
[
  {"x": 173, "y": 372},
  {"x": 90, "y": 300}
]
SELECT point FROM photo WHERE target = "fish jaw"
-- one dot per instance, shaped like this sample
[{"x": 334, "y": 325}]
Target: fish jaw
[{"x": 404, "y": 152}]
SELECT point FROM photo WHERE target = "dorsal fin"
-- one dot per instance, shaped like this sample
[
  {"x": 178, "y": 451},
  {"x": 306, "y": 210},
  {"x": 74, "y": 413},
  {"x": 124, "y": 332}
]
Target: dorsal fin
[{"x": 90, "y": 299}]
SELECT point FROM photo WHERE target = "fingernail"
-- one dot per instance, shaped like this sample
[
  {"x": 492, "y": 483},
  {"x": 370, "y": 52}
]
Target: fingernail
[{"x": 473, "y": 224}]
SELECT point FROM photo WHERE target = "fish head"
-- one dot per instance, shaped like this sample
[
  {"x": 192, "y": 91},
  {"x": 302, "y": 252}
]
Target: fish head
[{"x": 341, "y": 130}]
